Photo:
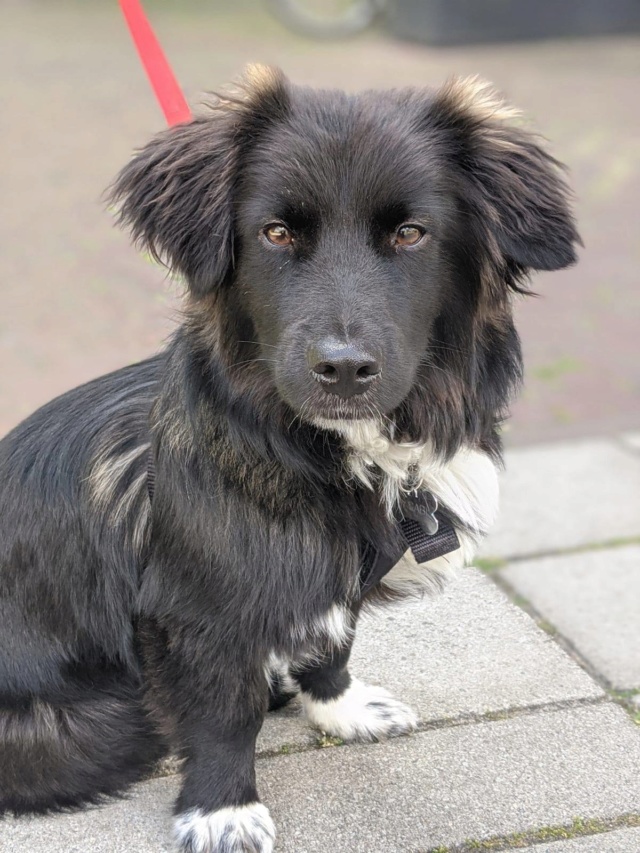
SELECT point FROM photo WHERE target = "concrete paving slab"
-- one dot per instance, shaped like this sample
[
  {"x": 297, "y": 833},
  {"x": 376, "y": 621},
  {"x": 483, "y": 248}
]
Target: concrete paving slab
[
  {"x": 284, "y": 729},
  {"x": 468, "y": 651},
  {"x": 632, "y": 440},
  {"x": 593, "y": 598},
  {"x": 619, "y": 841},
  {"x": 444, "y": 786},
  {"x": 561, "y": 496},
  {"x": 141, "y": 823},
  {"x": 436, "y": 788}
]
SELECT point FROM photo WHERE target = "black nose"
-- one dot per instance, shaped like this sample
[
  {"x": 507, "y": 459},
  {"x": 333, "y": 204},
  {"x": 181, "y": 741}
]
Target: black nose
[{"x": 341, "y": 368}]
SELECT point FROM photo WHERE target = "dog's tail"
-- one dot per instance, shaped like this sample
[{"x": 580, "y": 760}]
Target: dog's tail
[{"x": 60, "y": 756}]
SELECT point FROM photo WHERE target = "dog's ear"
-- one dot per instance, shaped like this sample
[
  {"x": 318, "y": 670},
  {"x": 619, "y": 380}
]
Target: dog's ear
[
  {"x": 515, "y": 188},
  {"x": 177, "y": 194}
]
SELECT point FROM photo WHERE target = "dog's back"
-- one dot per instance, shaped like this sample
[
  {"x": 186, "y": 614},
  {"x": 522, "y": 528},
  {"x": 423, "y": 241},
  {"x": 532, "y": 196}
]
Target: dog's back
[{"x": 73, "y": 511}]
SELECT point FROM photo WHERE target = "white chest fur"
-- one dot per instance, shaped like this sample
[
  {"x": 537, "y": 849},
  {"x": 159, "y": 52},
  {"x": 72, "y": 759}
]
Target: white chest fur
[{"x": 467, "y": 484}]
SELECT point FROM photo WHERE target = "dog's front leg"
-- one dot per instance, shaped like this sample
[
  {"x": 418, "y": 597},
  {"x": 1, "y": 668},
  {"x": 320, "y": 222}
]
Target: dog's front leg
[
  {"x": 344, "y": 707},
  {"x": 212, "y": 696}
]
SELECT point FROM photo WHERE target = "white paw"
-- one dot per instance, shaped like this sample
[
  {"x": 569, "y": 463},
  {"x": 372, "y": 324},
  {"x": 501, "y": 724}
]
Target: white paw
[
  {"x": 241, "y": 829},
  {"x": 362, "y": 713}
]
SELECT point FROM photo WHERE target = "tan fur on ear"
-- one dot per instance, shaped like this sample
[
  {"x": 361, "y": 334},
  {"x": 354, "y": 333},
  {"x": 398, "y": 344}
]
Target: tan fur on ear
[
  {"x": 257, "y": 78},
  {"x": 257, "y": 83},
  {"x": 513, "y": 183},
  {"x": 477, "y": 99}
]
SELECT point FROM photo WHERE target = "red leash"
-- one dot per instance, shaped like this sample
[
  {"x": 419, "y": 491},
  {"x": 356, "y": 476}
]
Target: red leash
[{"x": 161, "y": 77}]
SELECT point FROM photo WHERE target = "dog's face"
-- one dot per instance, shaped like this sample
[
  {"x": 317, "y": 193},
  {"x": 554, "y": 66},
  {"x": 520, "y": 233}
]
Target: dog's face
[
  {"x": 342, "y": 213},
  {"x": 360, "y": 242}
]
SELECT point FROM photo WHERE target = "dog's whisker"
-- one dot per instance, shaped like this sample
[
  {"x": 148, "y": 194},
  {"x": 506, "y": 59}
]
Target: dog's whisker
[
  {"x": 253, "y": 361},
  {"x": 301, "y": 414},
  {"x": 442, "y": 345},
  {"x": 429, "y": 363}
]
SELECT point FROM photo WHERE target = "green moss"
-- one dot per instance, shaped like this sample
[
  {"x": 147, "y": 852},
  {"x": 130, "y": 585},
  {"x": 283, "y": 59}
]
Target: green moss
[
  {"x": 520, "y": 600},
  {"x": 326, "y": 741},
  {"x": 494, "y": 716},
  {"x": 620, "y": 542},
  {"x": 489, "y": 564},
  {"x": 519, "y": 840},
  {"x": 547, "y": 627},
  {"x": 623, "y": 695},
  {"x": 625, "y": 698}
]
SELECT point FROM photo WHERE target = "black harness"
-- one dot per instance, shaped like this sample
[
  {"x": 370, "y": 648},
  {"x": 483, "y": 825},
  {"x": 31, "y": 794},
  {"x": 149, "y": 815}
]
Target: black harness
[{"x": 423, "y": 529}]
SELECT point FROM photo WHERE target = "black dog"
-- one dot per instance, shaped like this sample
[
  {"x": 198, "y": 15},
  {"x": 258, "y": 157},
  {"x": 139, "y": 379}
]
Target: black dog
[{"x": 187, "y": 540}]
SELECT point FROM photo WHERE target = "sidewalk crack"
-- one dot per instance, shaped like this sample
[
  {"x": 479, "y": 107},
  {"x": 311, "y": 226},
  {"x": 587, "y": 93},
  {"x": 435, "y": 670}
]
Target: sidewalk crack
[{"x": 578, "y": 828}]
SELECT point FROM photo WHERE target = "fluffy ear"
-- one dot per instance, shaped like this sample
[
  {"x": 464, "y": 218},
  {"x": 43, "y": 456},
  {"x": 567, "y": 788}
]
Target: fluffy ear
[
  {"x": 176, "y": 195},
  {"x": 513, "y": 185}
]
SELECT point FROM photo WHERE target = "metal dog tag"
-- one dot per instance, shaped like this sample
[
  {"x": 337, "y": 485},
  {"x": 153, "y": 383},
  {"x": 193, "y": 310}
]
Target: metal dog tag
[{"x": 421, "y": 507}]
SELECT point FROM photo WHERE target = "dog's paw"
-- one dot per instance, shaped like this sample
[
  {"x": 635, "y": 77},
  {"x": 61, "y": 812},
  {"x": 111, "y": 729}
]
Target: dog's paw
[
  {"x": 362, "y": 713},
  {"x": 241, "y": 829}
]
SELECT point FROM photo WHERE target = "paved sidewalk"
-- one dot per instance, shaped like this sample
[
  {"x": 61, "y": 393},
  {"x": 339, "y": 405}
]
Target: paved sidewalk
[{"x": 529, "y": 734}]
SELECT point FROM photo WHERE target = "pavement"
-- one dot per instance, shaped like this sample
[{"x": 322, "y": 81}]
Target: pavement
[{"x": 524, "y": 673}]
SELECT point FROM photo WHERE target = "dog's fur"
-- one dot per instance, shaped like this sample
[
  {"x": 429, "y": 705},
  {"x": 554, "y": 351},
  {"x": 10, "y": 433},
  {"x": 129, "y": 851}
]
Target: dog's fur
[{"x": 130, "y": 626}]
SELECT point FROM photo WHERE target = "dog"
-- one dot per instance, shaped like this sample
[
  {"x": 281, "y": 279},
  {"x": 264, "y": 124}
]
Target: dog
[{"x": 183, "y": 541}]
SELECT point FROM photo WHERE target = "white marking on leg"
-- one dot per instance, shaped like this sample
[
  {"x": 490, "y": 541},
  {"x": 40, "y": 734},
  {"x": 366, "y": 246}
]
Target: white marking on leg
[
  {"x": 334, "y": 626},
  {"x": 238, "y": 829},
  {"x": 276, "y": 669},
  {"x": 362, "y": 713}
]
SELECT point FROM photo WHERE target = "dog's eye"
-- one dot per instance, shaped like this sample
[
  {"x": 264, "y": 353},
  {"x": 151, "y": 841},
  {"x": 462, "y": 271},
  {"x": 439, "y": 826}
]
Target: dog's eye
[
  {"x": 278, "y": 234},
  {"x": 409, "y": 235}
]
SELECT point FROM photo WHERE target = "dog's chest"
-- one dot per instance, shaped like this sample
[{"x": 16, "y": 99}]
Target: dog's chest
[{"x": 466, "y": 484}]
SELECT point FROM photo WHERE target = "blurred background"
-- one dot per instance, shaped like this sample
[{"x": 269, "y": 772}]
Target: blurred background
[{"x": 76, "y": 299}]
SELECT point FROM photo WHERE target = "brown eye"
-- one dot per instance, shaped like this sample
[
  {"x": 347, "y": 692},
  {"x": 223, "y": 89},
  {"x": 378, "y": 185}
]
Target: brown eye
[
  {"x": 409, "y": 235},
  {"x": 278, "y": 234}
]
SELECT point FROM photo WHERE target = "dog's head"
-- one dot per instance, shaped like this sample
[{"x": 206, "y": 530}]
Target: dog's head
[{"x": 360, "y": 250}]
